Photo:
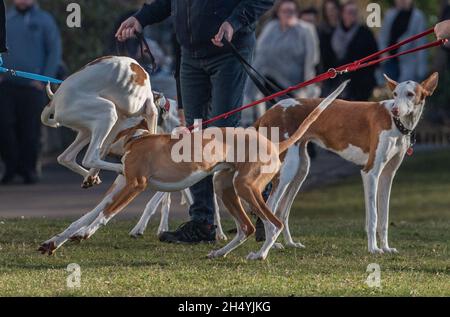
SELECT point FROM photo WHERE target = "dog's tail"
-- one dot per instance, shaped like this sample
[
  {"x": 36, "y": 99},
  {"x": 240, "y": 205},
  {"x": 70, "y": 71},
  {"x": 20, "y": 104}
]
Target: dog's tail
[
  {"x": 313, "y": 116},
  {"x": 49, "y": 110}
]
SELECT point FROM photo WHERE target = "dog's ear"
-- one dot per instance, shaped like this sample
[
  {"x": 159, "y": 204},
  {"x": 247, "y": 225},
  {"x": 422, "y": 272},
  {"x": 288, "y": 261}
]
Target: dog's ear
[
  {"x": 392, "y": 84},
  {"x": 430, "y": 84}
]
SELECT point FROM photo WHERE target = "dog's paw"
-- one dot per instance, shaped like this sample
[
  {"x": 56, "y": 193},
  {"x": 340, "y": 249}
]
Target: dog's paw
[
  {"x": 278, "y": 246},
  {"x": 47, "y": 248},
  {"x": 296, "y": 245},
  {"x": 221, "y": 237},
  {"x": 376, "y": 250},
  {"x": 90, "y": 181},
  {"x": 252, "y": 256},
  {"x": 136, "y": 234},
  {"x": 390, "y": 250},
  {"x": 216, "y": 254}
]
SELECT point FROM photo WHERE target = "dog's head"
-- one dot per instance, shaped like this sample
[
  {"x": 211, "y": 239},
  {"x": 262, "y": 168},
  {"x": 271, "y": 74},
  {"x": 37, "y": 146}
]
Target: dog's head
[
  {"x": 409, "y": 96},
  {"x": 163, "y": 106},
  {"x": 132, "y": 128}
]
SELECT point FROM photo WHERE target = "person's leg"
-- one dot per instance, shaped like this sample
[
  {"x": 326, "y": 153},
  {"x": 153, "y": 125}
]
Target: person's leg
[
  {"x": 196, "y": 95},
  {"x": 2, "y": 29},
  {"x": 8, "y": 137},
  {"x": 29, "y": 108}
]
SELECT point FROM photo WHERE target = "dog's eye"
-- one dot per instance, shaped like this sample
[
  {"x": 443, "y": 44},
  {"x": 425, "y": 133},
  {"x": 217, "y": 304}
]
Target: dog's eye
[{"x": 410, "y": 94}]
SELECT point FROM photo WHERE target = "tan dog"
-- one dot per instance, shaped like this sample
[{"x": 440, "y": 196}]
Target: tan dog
[{"x": 149, "y": 162}]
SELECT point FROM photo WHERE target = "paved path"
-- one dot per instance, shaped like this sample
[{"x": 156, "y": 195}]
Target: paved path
[{"x": 59, "y": 194}]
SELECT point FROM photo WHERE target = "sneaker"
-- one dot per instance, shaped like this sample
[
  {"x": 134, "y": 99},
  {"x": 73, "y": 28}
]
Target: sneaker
[
  {"x": 190, "y": 232},
  {"x": 260, "y": 234}
]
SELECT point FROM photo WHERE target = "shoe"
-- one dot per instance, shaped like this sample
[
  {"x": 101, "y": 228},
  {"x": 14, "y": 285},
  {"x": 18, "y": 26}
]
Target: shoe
[
  {"x": 7, "y": 179},
  {"x": 190, "y": 232},
  {"x": 30, "y": 179},
  {"x": 260, "y": 234}
]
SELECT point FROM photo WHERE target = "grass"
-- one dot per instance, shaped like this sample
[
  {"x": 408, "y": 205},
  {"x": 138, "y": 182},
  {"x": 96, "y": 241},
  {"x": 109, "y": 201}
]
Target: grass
[{"x": 328, "y": 221}]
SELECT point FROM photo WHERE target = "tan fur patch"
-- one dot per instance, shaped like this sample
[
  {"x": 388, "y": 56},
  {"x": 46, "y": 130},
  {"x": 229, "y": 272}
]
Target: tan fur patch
[
  {"x": 140, "y": 76},
  {"x": 341, "y": 125}
]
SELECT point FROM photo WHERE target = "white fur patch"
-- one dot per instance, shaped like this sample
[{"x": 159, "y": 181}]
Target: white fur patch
[
  {"x": 288, "y": 103},
  {"x": 354, "y": 154}
]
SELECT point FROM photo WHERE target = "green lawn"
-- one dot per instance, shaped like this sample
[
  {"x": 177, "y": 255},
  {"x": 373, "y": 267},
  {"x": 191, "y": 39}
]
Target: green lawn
[{"x": 328, "y": 221}]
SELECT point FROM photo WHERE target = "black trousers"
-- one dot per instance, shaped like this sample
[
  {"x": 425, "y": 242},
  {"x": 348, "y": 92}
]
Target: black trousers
[
  {"x": 20, "y": 127},
  {"x": 2, "y": 27}
]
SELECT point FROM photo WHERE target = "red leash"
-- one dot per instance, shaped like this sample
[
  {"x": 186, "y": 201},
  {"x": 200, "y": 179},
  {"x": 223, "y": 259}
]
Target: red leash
[{"x": 334, "y": 72}]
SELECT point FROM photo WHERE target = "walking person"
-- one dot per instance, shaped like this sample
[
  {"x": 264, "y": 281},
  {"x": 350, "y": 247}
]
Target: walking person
[
  {"x": 211, "y": 78},
  {"x": 34, "y": 46}
]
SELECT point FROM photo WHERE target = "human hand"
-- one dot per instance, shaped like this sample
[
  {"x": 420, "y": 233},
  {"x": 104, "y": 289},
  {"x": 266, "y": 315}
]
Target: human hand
[
  {"x": 128, "y": 28},
  {"x": 225, "y": 30},
  {"x": 442, "y": 30}
]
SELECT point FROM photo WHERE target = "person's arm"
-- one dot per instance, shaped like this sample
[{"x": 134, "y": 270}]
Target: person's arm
[
  {"x": 245, "y": 14},
  {"x": 154, "y": 12},
  {"x": 53, "y": 48},
  {"x": 442, "y": 30}
]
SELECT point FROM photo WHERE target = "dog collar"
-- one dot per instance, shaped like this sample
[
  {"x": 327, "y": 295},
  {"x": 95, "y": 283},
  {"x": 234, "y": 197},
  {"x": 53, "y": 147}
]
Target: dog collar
[
  {"x": 401, "y": 127},
  {"x": 167, "y": 105}
]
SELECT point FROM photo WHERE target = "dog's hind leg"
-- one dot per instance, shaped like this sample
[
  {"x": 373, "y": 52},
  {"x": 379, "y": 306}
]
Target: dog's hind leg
[
  {"x": 101, "y": 128},
  {"x": 69, "y": 156},
  {"x": 223, "y": 184},
  {"x": 285, "y": 205},
  {"x": 51, "y": 245},
  {"x": 384, "y": 193},
  {"x": 148, "y": 213},
  {"x": 165, "y": 210}
]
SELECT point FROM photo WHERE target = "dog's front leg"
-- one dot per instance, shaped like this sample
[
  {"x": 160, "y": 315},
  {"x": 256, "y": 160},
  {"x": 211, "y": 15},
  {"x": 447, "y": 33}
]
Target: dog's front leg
[
  {"x": 370, "y": 181},
  {"x": 165, "y": 210},
  {"x": 151, "y": 114},
  {"x": 51, "y": 245},
  {"x": 384, "y": 193}
]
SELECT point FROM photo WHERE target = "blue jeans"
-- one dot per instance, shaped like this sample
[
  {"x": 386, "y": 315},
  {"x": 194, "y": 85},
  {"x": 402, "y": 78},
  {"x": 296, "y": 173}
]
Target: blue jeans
[{"x": 210, "y": 87}]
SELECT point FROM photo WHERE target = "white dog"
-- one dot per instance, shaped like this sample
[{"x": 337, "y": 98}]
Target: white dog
[{"x": 94, "y": 102}]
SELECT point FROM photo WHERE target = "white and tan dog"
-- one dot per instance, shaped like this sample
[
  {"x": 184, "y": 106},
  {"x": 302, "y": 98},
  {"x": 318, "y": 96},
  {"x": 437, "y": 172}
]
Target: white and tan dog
[
  {"x": 375, "y": 135},
  {"x": 148, "y": 162},
  {"x": 94, "y": 102}
]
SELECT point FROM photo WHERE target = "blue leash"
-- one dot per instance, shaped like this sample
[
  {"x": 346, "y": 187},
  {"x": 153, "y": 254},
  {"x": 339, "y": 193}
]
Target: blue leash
[{"x": 31, "y": 76}]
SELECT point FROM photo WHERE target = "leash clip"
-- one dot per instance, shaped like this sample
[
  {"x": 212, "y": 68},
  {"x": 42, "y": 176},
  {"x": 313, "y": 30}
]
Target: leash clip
[{"x": 337, "y": 72}]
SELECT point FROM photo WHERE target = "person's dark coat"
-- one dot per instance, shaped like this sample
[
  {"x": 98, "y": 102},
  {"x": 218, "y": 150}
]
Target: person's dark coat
[
  {"x": 2, "y": 27},
  {"x": 362, "y": 81},
  {"x": 197, "y": 21}
]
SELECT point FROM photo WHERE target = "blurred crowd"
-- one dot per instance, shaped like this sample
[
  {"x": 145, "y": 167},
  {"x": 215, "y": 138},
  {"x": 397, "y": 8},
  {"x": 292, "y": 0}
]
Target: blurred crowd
[{"x": 293, "y": 45}]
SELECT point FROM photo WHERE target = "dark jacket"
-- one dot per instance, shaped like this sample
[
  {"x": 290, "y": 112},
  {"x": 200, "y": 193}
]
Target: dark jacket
[
  {"x": 363, "y": 81},
  {"x": 2, "y": 27},
  {"x": 197, "y": 21}
]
